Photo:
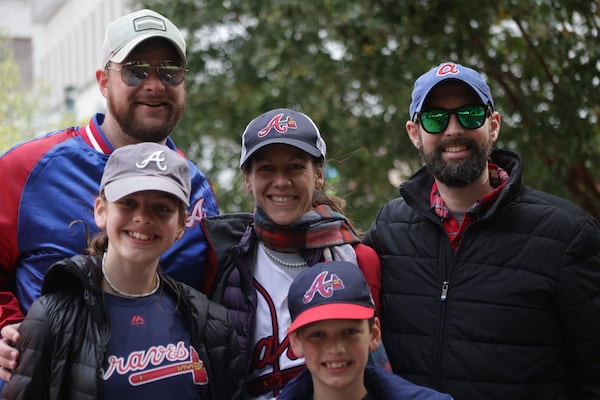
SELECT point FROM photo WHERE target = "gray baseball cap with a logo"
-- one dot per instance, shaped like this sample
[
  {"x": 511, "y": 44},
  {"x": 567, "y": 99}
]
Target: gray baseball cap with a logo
[{"x": 146, "y": 166}]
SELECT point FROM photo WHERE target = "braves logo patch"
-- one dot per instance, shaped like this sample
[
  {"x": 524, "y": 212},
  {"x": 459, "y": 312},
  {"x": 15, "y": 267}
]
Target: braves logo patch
[
  {"x": 148, "y": 366},
  {"x": 280, "y": 124},
  {"x": 323, "y": 287},
  {"x": 448, "y": 69},
  {"x": 157, "y": 157}
]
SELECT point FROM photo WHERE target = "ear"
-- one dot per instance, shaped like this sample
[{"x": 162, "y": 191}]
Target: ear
[
  {"x": 296, "y": 344},
  {"x": 102, "y": 79},
  {"x": 248, "y": 183},
  {"x": 412, "y": 128},
  {"x": 320, "y": 176},
  {"x": 181, "y": 227},
  {"x": 100, "y": 212},
  {"x": 375, "y": 335},
  {"x": 495, "y": 120}
]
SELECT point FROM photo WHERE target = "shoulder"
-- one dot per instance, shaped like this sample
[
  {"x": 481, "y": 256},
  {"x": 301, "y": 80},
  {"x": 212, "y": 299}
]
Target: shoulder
[
  {"x": 226, "y": 230},
  {"x": 236, "y": 223},
  {"x": 384, "y": 384},
  {"x": 550, "y": 216},
  {"x": 299, "y": 388},
  {"x": 369, "y": 263},
  {"x": 70, "y": 273},
  {"x": 32, "y": 150},
  {"x": 391, "y": 210}
]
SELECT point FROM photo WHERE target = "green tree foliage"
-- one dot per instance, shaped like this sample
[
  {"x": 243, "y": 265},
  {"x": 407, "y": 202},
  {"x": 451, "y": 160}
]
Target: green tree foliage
[
  {"x": 21, "y": 111},
  {"x": 351, "y": 64}
]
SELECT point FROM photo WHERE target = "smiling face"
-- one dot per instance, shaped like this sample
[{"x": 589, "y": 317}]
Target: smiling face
[
  {"x": 456, "y": 156},
  {"x": 148, "y": 111},
  {"x": 141, "y": 226},
  {"x": 282, "y": 180},
  {"x": 336, "y": 353}
]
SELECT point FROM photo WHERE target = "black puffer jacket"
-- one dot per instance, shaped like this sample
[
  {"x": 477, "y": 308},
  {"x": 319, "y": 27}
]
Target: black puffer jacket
[
  {"x": 65, "y": 333},
  {"x": 522, "y": 315}
]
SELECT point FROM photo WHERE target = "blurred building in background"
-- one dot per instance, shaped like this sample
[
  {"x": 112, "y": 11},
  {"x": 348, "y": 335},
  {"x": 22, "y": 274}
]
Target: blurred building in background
[{"x": 57, "y": 45}]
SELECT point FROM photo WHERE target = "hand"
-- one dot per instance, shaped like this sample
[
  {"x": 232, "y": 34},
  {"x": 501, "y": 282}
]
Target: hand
[{"x": 8, "y": 354}]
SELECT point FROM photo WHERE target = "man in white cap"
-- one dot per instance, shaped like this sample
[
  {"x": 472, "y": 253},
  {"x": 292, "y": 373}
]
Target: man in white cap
[
  {"x": 52, "y": 181},
  {"x": 490, "y": 289}
]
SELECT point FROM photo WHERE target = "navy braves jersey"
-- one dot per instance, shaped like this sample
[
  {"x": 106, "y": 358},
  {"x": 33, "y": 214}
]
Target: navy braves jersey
[
  {"x": 149, "y": 354},
  {"x": 49, "y": 185}
]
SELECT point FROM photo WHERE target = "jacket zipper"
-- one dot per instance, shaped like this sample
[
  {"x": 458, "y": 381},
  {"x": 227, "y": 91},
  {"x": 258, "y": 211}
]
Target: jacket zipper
[
  {"x": 444, "y": 294},
  {"x": 446, "y": 259}
]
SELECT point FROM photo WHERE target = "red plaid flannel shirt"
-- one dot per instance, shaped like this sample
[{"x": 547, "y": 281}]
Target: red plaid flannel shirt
[{"x": 498, "y": 179}]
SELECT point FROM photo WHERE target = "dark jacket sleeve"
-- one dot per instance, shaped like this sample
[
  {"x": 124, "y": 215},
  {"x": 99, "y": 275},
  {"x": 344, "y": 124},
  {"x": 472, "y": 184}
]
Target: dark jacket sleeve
[
  {"x": 31, "y": 379},
  {"x": 225, "y": 355},
  {"x": 579, "y": 307}
]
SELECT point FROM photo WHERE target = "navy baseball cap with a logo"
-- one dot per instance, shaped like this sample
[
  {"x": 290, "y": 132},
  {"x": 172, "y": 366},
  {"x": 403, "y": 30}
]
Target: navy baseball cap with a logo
[
  {"x": 284, "y": 126},
  {"x": 329, "y": 290},
  {"x": 146, "y": 166},
  {"x": 443, "y": 72}
]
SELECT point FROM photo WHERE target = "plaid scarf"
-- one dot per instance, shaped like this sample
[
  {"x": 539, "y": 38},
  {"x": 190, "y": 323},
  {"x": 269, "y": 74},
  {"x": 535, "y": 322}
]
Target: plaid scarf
[{"x": 318, "y": 228}]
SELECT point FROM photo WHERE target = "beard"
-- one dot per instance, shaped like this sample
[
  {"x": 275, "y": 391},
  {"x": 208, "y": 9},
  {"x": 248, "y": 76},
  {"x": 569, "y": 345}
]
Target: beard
[
  {"x": 135, "y": 128},
  {"x": 458, "y": 173}
]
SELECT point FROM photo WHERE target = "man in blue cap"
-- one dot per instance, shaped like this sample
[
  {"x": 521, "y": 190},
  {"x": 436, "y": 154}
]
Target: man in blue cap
[{"x": 490, "y": 289}]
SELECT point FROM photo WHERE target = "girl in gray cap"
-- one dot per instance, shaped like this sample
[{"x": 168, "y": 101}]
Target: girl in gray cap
[{"x": 111, "y": 325}]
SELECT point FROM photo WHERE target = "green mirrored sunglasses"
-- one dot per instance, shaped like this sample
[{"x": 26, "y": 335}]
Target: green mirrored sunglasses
[{"x": 469, "y": 117}]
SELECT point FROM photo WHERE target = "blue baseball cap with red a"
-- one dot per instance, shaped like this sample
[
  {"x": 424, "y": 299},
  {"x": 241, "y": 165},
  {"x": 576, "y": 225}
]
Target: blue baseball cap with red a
[{"x": 444, "y": 72}]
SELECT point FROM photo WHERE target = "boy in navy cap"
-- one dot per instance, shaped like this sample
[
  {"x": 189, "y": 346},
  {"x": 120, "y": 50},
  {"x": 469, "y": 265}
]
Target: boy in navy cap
[{"x": 334, "y": 327}]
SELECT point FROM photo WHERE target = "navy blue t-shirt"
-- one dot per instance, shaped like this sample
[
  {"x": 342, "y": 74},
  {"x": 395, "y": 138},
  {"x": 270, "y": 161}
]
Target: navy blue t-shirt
[{"x": 149, "y": 355}]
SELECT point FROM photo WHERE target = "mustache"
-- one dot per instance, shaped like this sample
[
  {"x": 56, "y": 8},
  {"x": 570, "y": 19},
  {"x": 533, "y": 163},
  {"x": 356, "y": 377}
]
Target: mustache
[
  {"x": 165, "y": 100},
  {"x": 460, "y": 141}
]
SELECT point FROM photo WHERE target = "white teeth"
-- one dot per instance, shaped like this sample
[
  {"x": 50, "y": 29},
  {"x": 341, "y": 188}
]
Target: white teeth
[
  {"x": 336, "y": 364},
  {"x": 455, "y": 149},
  {"x": 280, "y": 199},
  {"x": 139, "y": 236}
]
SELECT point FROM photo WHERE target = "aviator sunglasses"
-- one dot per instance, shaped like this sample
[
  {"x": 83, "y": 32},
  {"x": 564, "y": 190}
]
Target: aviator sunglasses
[
  {"x": 135, "y": 72},
  {"x": 469, "y": 117}
]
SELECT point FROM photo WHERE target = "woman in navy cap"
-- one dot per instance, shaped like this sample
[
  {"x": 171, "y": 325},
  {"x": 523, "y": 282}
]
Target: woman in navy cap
[{"x": 295, "y": 225}]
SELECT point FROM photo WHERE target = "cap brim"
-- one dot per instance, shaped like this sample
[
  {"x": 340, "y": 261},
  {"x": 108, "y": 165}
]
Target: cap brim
[
  {"x": 124, "y": 51},
  {"x": 474, "y": 88},
  {"x": 299, "y": 144},
  {"x": 331, "y": 311},
  {"x": 116, "y": 190}
]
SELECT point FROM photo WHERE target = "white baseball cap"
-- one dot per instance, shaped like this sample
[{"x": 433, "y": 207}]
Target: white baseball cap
[{"x": 125, "y": 33}]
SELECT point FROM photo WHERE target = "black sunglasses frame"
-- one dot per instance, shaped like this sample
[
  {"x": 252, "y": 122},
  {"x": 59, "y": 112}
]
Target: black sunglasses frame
[
  {"x": 146, "y": 68},
  {"x": 455, "y": 111}
]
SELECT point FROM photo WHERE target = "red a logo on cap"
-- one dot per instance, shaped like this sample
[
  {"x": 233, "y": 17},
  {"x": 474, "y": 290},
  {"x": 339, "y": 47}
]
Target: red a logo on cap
[
  {"x": 448, "y": 68},
  {"x": 323, "y": 287},
  {"x": 279, "y": 125}
]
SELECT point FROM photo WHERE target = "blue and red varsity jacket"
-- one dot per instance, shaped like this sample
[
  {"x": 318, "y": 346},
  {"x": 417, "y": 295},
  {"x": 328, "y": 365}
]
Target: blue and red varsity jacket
[{"x": 48, "y": 186}]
